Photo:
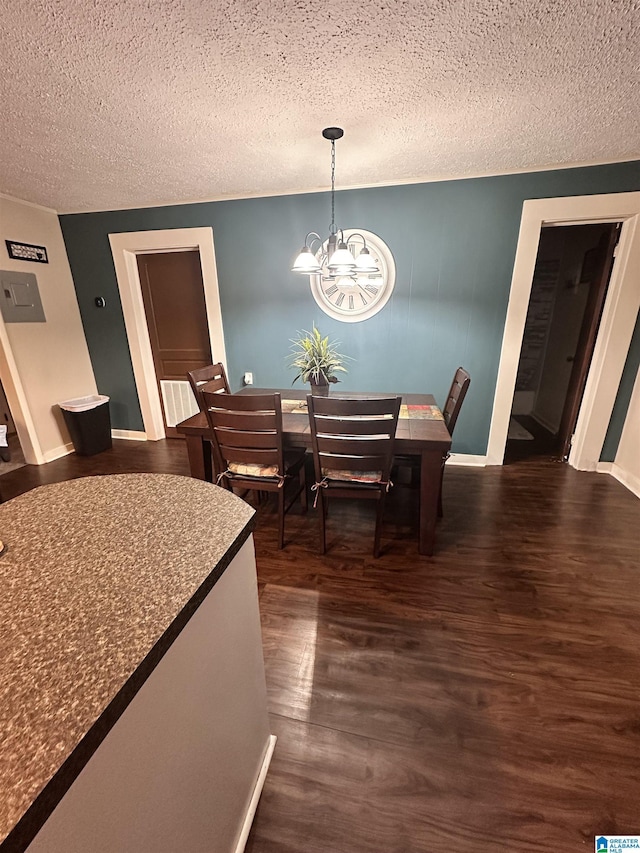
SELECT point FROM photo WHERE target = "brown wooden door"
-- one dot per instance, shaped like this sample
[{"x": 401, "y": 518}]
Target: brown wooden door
[
  {"x": 173, "y": 296},
  {"x": 596, "y": 270}
]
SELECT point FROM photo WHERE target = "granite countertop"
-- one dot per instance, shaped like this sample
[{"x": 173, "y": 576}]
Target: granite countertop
[{"x": 98, "y": 577}]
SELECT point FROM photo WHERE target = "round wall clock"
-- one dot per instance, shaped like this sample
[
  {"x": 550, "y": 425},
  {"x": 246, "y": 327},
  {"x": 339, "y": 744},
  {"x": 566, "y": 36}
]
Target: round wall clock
[{"x": 351, "y": 299}]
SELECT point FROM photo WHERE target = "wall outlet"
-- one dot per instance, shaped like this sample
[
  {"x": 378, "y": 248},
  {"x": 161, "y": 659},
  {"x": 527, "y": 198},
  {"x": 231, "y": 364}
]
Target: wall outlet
[{"x": 248, "y": 378}]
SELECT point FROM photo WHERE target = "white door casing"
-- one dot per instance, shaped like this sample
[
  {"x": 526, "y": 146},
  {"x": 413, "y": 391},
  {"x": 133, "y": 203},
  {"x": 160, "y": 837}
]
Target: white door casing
[
  {"x": 124, "y": 248},
  {"x": 616, "y": 325}
]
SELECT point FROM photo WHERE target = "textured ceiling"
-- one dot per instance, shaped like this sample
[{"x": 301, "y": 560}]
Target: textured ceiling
[{"x": 122, "y": 103}]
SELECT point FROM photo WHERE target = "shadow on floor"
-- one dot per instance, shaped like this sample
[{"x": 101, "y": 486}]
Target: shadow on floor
[{"x": 544, "y": 444}]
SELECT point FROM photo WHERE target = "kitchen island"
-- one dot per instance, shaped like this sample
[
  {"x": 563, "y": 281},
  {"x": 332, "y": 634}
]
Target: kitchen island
[{"x": 132, "y": 696}]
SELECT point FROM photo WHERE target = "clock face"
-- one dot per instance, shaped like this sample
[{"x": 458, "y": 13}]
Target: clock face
[{"x": 354, "y": 299}]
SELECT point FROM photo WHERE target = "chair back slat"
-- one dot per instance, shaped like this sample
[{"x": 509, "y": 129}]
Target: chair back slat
[
  {"x": 251, "y": 402},
  {"x": 246, "y": 438},
  {"x": 213, "y": 376},
  {"x": 262, "y": 421},
  {"x": 455, "y": 398},
  {"x": 214, "y": 386},
  {"x": 344, "y": 407},
  {"x": 351, "y": 463},
  {"x": 340, "y": 445},
  {"x": 250, "y": 455},
  {"x": 355, "y": 425}
]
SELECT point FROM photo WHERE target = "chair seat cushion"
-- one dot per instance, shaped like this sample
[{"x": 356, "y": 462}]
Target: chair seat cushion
[
  {"x": 247, "y": 469},
  {"x": 352, "y": 476}
]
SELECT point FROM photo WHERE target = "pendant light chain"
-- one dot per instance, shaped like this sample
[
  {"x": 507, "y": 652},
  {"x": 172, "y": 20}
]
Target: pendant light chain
[
  {"x": 334, "y": 259},
  {"x": 332, "y": 227}
]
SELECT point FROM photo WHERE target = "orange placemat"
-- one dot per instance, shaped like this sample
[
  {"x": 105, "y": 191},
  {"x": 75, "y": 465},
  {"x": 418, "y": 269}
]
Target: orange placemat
[
  {"x": 426, "y": 412},
  {"x": 422, "y": 413}
]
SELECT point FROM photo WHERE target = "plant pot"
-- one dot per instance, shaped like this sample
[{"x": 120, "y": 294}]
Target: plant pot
[{"x": 319, "y": 389}]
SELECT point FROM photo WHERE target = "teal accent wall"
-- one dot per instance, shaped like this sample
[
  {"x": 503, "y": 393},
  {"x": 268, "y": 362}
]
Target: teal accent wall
[
  {"x": 454, "y": 245},
  {"x": 625, "y": 389}
]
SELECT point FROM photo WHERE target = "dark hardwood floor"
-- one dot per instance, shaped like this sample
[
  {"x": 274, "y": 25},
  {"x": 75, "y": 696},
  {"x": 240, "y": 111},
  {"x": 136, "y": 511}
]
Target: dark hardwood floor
[{"x": 483, "y": 698}]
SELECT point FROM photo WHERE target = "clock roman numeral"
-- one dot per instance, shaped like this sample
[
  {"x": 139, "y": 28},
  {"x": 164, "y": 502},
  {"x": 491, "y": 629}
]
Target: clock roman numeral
[
  {"x": 373, "y": 290},
  {"x": 340, "y": 300},
  {"x": 350, "y": 302},
  {"x": 331, "y": 290},
  {"x": 364, "y": 298}
]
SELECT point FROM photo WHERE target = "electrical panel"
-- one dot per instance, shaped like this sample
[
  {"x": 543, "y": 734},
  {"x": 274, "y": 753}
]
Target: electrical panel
[{"x": 20, "y": 298}]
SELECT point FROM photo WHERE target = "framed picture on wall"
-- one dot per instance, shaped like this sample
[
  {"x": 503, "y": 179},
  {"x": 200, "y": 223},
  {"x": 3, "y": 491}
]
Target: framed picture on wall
[{"x": 27, "y": 252}]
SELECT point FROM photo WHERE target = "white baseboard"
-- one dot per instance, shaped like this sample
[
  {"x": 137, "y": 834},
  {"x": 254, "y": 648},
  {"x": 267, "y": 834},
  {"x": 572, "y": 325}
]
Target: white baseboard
[
  {"x": 66, "y": 449},
  {"x": 467, "y": 459},
  {"x": 255, "y": 797},
  {"x": 57, "y": 453},
  {"x": 629, "y": 481},
  {"x": 129, "y": 434}
]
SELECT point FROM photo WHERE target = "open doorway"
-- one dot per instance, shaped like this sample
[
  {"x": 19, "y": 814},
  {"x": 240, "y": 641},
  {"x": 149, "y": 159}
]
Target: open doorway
[{"x": 568, "y": 292}]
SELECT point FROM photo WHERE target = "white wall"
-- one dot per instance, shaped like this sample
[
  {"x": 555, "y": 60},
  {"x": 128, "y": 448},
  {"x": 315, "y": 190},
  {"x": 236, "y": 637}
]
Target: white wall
[
  {"x": 36, "y": 370},
  {"x": 51, "y": 359},
  {"x": 626, "y": 467}
]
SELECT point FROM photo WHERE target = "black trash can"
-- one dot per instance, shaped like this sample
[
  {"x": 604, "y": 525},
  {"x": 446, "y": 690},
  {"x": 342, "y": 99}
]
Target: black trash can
[{"x": 89, "y": 423}]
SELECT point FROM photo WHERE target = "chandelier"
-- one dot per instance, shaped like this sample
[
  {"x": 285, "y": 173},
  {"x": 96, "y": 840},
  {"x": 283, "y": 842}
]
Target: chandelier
[{"x": 334, "y": 257}]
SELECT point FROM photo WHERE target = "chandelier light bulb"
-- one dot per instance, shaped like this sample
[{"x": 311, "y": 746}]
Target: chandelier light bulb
[
  {"x": 365, "y": 263},
  {"x": 306, "y": 263},
  {"x": 342, "y": 260}
]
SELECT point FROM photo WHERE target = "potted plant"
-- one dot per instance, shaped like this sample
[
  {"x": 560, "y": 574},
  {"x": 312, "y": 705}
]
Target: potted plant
[{"x": 317, "y": 360}]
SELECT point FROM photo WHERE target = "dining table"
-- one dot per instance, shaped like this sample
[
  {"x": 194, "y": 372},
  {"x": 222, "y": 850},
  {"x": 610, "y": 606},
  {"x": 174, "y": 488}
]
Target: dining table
[{"x": 421, "y": 433}]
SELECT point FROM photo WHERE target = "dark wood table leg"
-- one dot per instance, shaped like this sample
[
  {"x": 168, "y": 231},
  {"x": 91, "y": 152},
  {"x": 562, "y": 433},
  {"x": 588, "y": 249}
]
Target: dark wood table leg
[
  {"x": 431, "y": 461},
  {"x": 199, "y": 453},
  {"x": 207, "y": 452}
]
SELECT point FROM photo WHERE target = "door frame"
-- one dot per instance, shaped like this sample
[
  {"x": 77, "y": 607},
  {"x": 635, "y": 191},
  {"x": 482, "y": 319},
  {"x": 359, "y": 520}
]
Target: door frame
[
  {"x": 124, "y": 248},
  {"x": 616, "y": 326}
]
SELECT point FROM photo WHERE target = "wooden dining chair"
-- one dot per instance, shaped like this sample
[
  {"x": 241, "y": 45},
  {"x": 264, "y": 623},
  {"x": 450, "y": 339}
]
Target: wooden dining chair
[
  {"x": 455, "y": 398},
  {"x": 213, "y": 376},
  {"x": 450, "y": 413},
  {"x": 352, "y": 441},
  {"x": 246, "y": 435}
]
